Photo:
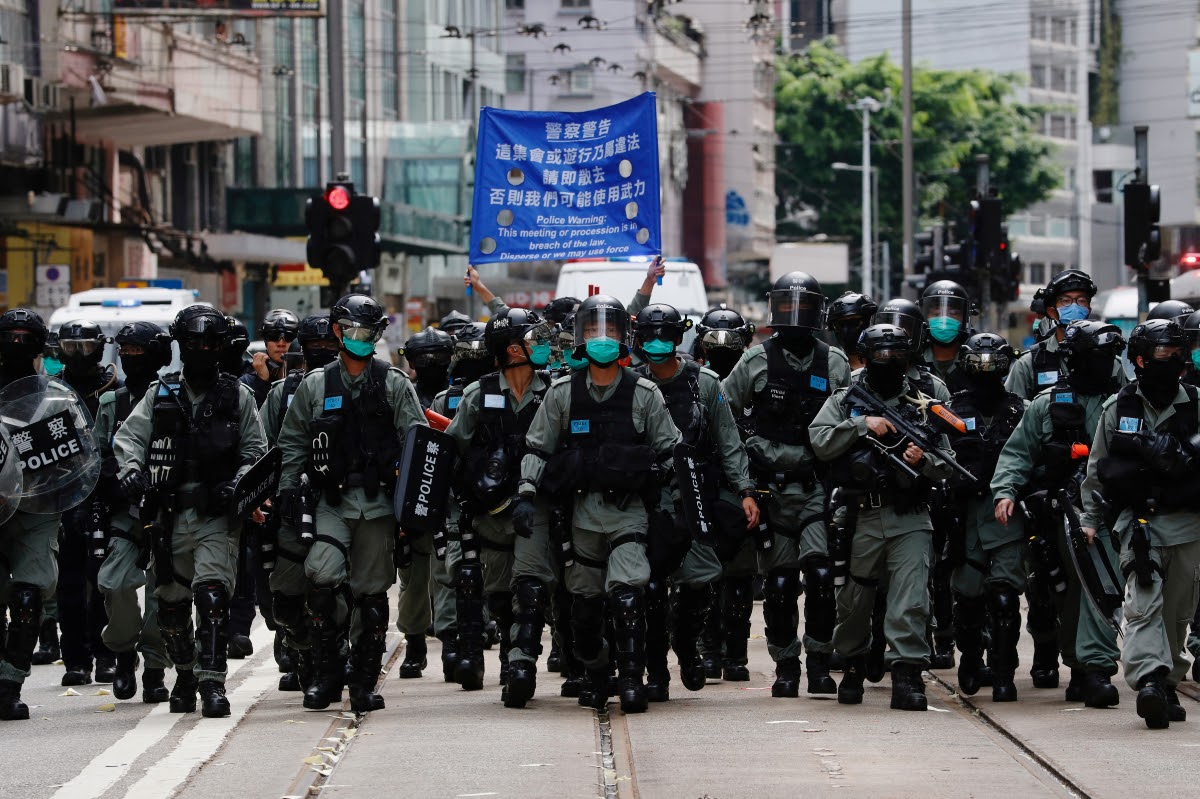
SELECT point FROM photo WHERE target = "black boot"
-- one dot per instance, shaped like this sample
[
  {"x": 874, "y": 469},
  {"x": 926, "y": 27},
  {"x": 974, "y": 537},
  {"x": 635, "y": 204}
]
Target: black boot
[
  {"x": 106, "y": 670},
  {"x": 531, "y": 599},
  {"x": 1175, "y": 711},
  {"x": 737, "y": 602},
  {"x": 819, "y": 681},
  {"x": 125, "y": 679},
  {"x": 522, "y": 683},
  {"x": 183, "y": 693},
  {"x": 781, "y": 592},
  {"x": 658, "y": 677},
  {"x": 11, "y": 706},
  {"x": 820, "y": 613},
  {"x": 629, "y": 626},
  {"x": 77, "y": 674},
  {"x": 468, "y": 672},
  {"x": 1152, "y": 700},
  {"x": 213, "y": 702},
  {"x": 970, "y": 615},
  {"x": 908, "y": 689},
  {"x": 691, "y": 609},
  {"x": 282, "y": 654},
  {"x": 25, "y": 609},
  {"x": 415, "y": 656},
  {"x": 713, "y": 639},
  {"x": 290, "y": 617},
  {"x": 850, "y": 691},
  {"x": 877, "y": 651},
  {"x": 47, "y": 649},
  {"x": 154, "y": 687},
  {"x": 588, "y": 623},
  {"x": 500, "y": 609},
  {"x": 1004, "y": 623},
  {"x": 1044, "y": 670},
  {"x": 449, "y": 639},
  {"x": 594, "y": 689},
  {"x": 366, "y": 658},
  {"x": 554, "y": 659},
  {"x": 240, "y": 647},
  {"x": 572, "y": 669},
  {"x": 1076, "y": 687},
  {"x": 328, "y": 662},
  {"x": 1098, "y": 690},
  {"x": 1042, "y": 623},
  {"x": 943, "y": 613}
]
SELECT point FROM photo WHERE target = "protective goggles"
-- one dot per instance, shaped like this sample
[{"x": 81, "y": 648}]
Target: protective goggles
[
  {"x": 279, "y": 335},
  {"x": 950, "y": 307},
  {"x": 889, "y": 355},
  {"x": 909, "y": 324},
  {"x": 797, "y": 308},
  {"x": 18, "y": 337},
  {"x": 470, "y": 350},
  {"x": 78, "y": 346},
  {"x": 540, "y": 334},
  {"x": 986, "y": 362},
  {"x": 1167, "y": 352},
  {"x": 357, "y": 332},
  {"x": 715, "y": 339}
]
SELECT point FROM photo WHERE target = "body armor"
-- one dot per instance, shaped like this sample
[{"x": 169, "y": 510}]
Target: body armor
[
  {"x": 196, "y": 445},
  {"x": 791, "y": 398},
  {"x": 979, "y": 449},
  {"x": 493, "y": 465}
]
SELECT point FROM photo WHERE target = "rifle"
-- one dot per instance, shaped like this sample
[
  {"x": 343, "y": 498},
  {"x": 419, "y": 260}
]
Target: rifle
[
  {"x": 159, "y": 501},
  {"x": 947, "y": 517},
  {"x": 560, "y": 534},
  {"x": 841, "y": 536},
  {"x": 1042, "y": 549},
  {"x": 919, "y": 433}
]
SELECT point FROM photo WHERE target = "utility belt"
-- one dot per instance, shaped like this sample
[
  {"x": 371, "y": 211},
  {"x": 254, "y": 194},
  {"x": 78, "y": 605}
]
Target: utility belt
[
  {"x": 767, "y": 473},
  {"x": 620, "y": 540},
  {"x": 876, "y": 500},
  {"x": 199, "y": 497}
]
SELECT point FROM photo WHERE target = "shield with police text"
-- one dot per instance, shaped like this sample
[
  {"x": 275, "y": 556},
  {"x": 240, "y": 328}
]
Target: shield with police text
[
  {"x": 258, "y": 484},
  {"x": 10, "y": 478},
  {"x": 697, "y": 511},
  {"x": 1102, "y": 588},
  {"x": 51, "y": 430},
  {"x": 423, "y": 480}
]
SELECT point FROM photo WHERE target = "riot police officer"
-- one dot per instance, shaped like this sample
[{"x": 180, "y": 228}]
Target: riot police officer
[
  {"x": 1191, "y": 329},
  {"x": 1143, "y": 461},
  {"x": 722, "y": 335},
  {"x": 779, "y": 386},
  {"x": 1041, "y": 459},
  {"x": 181, "y": 451},
  {"x": 603, "y": 435},
  {"x": 278, "y": 331},
  {"x": 1175, "y": 310},
  {"x": 947, "y": 308},
  {"x": 909, "y": 317},
  {"x": 890, "y": 530},
  {"x": 144, "y": 348},
  {"x": 343, "y": 430},
  {"x": 453, "y": 322},
  {"x": 692, "y": 566},
  {"x": 429, "y": 353},
  {"x": 987, "y": 557},
  {"x": 28, "y": 542},
  {"x": 849, "y": 315}
]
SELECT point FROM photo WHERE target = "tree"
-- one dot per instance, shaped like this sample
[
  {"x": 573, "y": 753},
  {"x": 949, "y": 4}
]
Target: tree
[{"x": 956, "y": 116}]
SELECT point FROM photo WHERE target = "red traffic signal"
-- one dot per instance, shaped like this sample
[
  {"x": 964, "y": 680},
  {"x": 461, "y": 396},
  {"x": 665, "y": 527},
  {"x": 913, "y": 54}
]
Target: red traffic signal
[{"x": 338, "y": 198}]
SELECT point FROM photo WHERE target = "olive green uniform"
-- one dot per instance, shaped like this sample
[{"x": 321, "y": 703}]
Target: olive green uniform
[
  {"x": 1083, "y": 639},
  {"x": 1023, "y": 382},
  {"x": 1157, "y": 615},
  {"x": 886, "y": 542},
  {"x": 29, "y": 552}
]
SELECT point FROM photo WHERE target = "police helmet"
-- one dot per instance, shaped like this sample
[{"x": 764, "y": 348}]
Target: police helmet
[
  {"x": 153, "y": 340},
  {"x": 948, "y": 301},
  {"x": 512, "y": 325},
  {"x": 559, "y": 308},
  {"x": 660, "y": 321},
  {"x": 986, "y": 353},
  {"x": 1175, "y": 310},
  {"x": 851, "y": 305},
  {"x": 315, "y": 328},
  {"x": 430, "y": 347},
  {"x": 1087, "y": 335},
  {"x": 470, "y": 342},
  {"x": 279, "y": 323},
  {"x": 884, "y": 342},
  {"x": 1158, "y": 339},
  {"x": 82, "y": 343},
  {"x": 566, "y": 332},
  {"x": 1069, "y": 280},
  {"x": 23, "y": 326},
  {"x": 359, "y": 316},
  {"x": 796, "y": 302},
  {"x": 1191, "y": 328},
  {"x": 454, "y": 321},
  {"x": 239, "y": 336},
  {"x": 906, "y": 315},
  {"x": 200, "y": 327},
  {"x": 604, "y": 316},
  {"x": 724, "y": 327}
]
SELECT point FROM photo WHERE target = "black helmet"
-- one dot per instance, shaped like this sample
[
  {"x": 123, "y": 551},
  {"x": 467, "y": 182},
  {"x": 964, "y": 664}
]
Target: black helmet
[
  {"x": 796, "y": 301},
  {"x": 659, "y": 320},
  {"x": 200, "y": 326},
  {"x": 82, "y": 343},
  {"x": 884, "y": 342},
  {"x": 430, "y": 347},
  {"x": 1191, "y": 328},
  {"x": 511, "y": 325},
  {"x": 1069, "y": 280},
  {"x": 723, "y": 327},
  {"x": 277, "y": 323},
  {"x": 1175, "y": 310},
  {"x": 454, "y": 321},
  {"x": 851, "y": 305},
  {"x": 986, "y": 353},
  {"x": 360, "y": 318},
  {"x": 315, "y": 328},
  {"x": 1157, "y": 339},
  {"x": 153, "y": 340},
  {"x": 239, "y": 336},
  {"x": 470, "y": 342},
  {"x": 948, "y": 302},
  {"x": 51, "y": 349},
  {"x": 25, "y": 327},
  {"x": 559, "y": 308},
  {"x": 606, "y": 317},
  {"x": 904, "y": 314},
  {"x": 1087, "y": 335}
]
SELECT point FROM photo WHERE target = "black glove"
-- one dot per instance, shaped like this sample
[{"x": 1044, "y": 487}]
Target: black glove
[
  {"x": 133, "y": 485},
  {"x": 287, "y": 505},
  {"x": 222, "y": 494},
  {"x": 523, "y": 516}
]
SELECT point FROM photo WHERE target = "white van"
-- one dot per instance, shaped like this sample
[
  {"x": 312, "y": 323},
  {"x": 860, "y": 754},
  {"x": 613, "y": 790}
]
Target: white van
[{"x": 112, "y": 309}]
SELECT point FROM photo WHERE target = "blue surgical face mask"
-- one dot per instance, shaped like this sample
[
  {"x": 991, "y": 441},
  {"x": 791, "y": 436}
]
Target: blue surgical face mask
[
  {"x": 603, "y": 351},
  {"x": 359, "y": 349},
  {"x": 1073, "y": 313},
  {"x": 944, "y": 329},
  {"x": 52, "y": 366},
  {"x": 658, "y": 351},
  {"x": 575, "y": 363},
  {"x": 539, "y": 354}
]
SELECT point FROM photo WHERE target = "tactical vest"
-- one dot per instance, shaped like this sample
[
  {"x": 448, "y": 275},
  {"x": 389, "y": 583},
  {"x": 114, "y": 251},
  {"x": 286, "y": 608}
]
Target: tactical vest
[
  {"x": 454, "y": 395},
  {"x": 979, "y": 449},
  {"x": 363, "y": 444},
  {"x": 1047, "y": 367},
  {"x": 493, "y": 465},
  {"x": 201, "y": 444},
  {"x": 91, "y": 394},
  {"x": 791, "y": 398},
  {"x": 1126, "y": 479},
  {"x": 123, "y": 406},
  {"x": 924, "y": 380},
  {"x": 864, "y": 470},
  {"x": 290, "y": 384},
  {"x": 603, "y": 446},
  {"x": 687, "y": 408},
  {"x": 425, "y": 397}
]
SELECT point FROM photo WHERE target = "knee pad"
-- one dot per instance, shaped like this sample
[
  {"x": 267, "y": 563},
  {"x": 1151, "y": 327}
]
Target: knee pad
[
  {"x": 818, "y": 576},
  {"x": 289, "y": 612},
  {"x": 212, "y": 601},
  {"x": 373, "y": 610},
  {"x": 470, "y": 579},
  {"x": 321, "y": 604},
  {"x": 588, "y": 611},
  {"x": 626, "y": 604},
  {"x": 24, "y": 605},
  {"x": 531, "y": 597},
  {"x": 782, "y": 583},
  {"x": 1003, "y": 602},
  {"x": 175, "y": 618},
  {"x": 499, "y": 605}
]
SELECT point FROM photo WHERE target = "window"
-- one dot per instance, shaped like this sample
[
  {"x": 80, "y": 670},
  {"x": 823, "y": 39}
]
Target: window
[
  {"x": 514, "y": 5},
  {"x": 357, "y": 51},
  {"x": 1037, "y": 273},
  {"x": 1058, "y": 227},
  {"x": 1102, "y": 185},
  {"x": 576, "y": 4},
  {"x": 514, "y": 71},
  {"x": 1018, "y": 226},
  {"x": 1037, "y": 76},
  {"x": 1058, "y": 30},
  {"x": 389, "y": 89},
  {"x": 1058, "y": 79},
  {"x": 1038, "y": 28},
  {"x": 579, "y": 81}
]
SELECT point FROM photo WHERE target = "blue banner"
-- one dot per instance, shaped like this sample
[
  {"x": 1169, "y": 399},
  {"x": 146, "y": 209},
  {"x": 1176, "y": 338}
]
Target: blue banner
[{"x": 553, "y": 185}]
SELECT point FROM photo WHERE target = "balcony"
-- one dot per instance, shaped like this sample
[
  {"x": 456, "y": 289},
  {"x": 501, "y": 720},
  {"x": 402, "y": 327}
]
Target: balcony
[{"x": 149, "y": 83}]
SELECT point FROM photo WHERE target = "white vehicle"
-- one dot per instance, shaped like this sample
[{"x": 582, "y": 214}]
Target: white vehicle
[{"x": 112, "y": 309}]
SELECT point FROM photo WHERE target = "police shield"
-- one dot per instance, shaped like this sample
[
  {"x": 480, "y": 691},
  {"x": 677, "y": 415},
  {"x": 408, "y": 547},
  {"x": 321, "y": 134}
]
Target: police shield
[
  {"x": 697, "y": 510},
  {"x": 50, "y": 430},
  {"x": 258, "y": 484},
  {"x": 10, "y": 478},
  {"x": 1102, "y": 587},
  {"x": 423, "y": 480}
]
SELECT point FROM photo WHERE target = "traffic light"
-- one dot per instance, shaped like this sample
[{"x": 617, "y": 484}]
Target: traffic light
[
  {"x": 343, "y": 236},
  {"x": 1143, "y": 242},
  {"x": 987, "y": 230},
  {"x": 924, "y": 261}
]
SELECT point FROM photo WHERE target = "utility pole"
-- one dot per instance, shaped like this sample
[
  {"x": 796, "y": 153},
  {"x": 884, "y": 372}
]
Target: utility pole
[
  {"x": 906, "y": 145},
  {"x": 334, "y": 28},
  {"x": 1141, "y": 154},
  {"x": 983, "y": 265},
  {"x": 866, "y": 105}
]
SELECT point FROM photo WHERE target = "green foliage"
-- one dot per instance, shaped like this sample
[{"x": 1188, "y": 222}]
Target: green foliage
[{"x": 956, "y": 115}]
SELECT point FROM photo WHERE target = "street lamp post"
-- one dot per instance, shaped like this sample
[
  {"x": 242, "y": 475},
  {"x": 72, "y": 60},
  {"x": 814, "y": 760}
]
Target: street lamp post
[
  {"x": 866, "y": 106},
  {"x": 870, "y": 200}
]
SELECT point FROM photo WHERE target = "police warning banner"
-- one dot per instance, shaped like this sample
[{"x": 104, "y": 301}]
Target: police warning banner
[{"x": 552, "y": 185}]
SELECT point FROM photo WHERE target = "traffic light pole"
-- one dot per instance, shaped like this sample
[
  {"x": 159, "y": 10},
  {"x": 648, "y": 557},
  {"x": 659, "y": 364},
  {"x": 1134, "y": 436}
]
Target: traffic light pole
[
  {"x": 1141, "y": 147},
  {"x": 906, "y": 144},
  {"x": 983, "y": 264},
  {"x": 334, "y": 31}
]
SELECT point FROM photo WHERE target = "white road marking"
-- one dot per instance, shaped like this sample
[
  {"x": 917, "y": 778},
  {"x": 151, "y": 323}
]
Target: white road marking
[{"x": 111, "y": 765}]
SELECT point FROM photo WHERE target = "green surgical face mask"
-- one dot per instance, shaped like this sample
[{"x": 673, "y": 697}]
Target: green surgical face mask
[
  {"x": 1196, "y": 359},
  {"x": 603, "y": 351},
  {"x": 359, "y": 349},
  {"x": 575, "y": 363},
  {"x": 52, "y": 366},
  {"x": 944, "y": 329},
  {"x": 539, "y": 354},
  {"x": 658, "y": 351}
]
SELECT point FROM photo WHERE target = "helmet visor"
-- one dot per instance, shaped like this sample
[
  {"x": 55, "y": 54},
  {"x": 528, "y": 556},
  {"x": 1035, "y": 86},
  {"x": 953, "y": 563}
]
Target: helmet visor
[
  {"x": 1111, "y": 342},
  {"x": 945, "y": 306},
  {"x": 84, "y": 347},
  {"x": 715, "y": 339},
  {"x": 797, "y": 308},
  {"x": 986, "y": 362},
  {"x": 889, "y": 355},
  {"x": 356, "y": 332},
  {"x": 540, "y": 333},
  {"x": 601, "y": 322},
  {"x": 909, "y": 324},
  {"x": 470, "y": 350},
  {"x": 1167, "y": 352},
  {"x": 23, "y": 337}
]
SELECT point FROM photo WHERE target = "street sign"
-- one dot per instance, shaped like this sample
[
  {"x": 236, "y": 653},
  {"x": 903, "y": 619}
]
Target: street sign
[{"x": 52, "y": 286}]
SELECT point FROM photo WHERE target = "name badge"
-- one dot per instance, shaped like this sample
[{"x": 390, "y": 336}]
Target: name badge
[
  {"x": 493, "y": 400},
  {"x": 581, "y": 426},
  {"x": 165, "y": 388},
  {"x": 333, "y": 403},
  {"x": 452, "y": 402},
  {"x": 819, "y": 383},
  {"x": 1064, "y": 396},
  {"x": 969, "y": 421},
  {"x": 288, "y": 402},
  {"x": 1128, "y": 424},
  {"x": 854, "y": 412},
  {"x": 1047, "y": 378}
]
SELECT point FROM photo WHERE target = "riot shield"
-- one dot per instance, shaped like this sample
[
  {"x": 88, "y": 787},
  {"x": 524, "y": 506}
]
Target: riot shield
[
  {"x": 1101, "y": 586},
  {"x": 423, "y": 478},
  {"x": 697, "y": 513},
  {"x": 10, "y": 478},
  {"x": 51, "y": 430},
  {"x": 258, "y": 484}
]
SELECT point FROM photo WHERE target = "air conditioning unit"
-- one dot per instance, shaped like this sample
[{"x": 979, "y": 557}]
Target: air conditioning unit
[
  {"x": 43, "y": 95},
  {"x": 12, "y": 82}
]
